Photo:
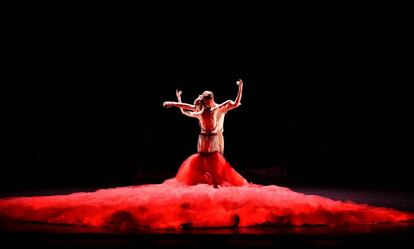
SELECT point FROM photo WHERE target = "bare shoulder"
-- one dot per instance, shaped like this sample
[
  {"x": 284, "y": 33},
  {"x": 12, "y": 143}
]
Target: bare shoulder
[{"x": 224, "y": 105}]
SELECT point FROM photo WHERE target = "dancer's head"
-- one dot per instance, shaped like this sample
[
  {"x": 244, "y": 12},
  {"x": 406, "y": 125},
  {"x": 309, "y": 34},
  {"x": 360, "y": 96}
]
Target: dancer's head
[{"x": 208, "y": 98}]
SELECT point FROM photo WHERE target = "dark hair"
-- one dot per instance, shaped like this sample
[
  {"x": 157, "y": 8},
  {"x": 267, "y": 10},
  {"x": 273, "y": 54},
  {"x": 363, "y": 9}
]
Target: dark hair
[
  {"x": 207, "y": 95},
  {"x": 198, "y": 103}
]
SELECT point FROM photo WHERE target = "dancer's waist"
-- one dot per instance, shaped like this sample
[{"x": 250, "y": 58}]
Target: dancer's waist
[{"x": 210, "y": 133}]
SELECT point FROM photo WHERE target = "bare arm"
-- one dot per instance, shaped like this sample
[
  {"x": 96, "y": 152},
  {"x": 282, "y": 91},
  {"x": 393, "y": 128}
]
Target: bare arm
[
  {"x": 230, "y": 104},
  {"x": 183, "y": 111},
  {"x": 186, "y": 109},
  {"x": 192, "y": 114},
  {"x": 185, "y": 106}
]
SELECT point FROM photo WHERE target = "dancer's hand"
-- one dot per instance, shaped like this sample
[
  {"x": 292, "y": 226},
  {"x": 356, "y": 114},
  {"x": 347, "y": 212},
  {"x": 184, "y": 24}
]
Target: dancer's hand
[
  {"x": 239, "y": 82},
  {"x": 178, "y": 93}
]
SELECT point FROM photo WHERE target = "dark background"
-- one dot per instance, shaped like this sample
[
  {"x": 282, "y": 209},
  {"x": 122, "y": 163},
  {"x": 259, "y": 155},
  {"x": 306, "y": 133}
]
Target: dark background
[{"x": 326, "y": 98}]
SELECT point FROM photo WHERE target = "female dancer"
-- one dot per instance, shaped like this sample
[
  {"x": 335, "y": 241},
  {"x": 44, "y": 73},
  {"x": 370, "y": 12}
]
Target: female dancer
[
  {"x": 209, "y": 166},
  {"x": 211, "y": 117}
]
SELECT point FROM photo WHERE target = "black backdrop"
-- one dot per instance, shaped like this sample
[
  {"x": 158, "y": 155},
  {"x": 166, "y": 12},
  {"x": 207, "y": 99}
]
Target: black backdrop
[{"x": 326, "y": 91}]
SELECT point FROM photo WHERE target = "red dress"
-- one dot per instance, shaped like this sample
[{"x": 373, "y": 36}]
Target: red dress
[{"x": 210, "y": 168}]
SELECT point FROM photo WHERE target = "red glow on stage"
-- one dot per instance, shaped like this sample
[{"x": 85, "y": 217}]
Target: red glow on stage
[{"x": 173, "y": 204}]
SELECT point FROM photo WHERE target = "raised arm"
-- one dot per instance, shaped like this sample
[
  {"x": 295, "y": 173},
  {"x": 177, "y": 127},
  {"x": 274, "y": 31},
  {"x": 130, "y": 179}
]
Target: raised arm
[
  {"x": 239, "y": 93},
  {"x": 230, "y": 104},
  {"x": 186, "y": 109},
  {"x": 183, "y": 111}
]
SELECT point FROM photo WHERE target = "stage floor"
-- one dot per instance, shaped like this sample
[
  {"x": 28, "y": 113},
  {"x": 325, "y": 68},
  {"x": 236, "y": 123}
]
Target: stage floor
[{"x": 395, "y": 235}]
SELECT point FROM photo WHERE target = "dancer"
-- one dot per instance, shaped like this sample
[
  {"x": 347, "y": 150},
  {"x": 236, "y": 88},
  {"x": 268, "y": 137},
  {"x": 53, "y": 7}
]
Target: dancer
[
  {"x": 209, "y": 165},
  {"x": 211, "y": 117},
  {"x": 206, "y": 192}
]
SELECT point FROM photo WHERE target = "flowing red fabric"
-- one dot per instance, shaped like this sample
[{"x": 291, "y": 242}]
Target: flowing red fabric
[
  {"x": 209, "y": 168},
  {"x": 207, "y": 192}
]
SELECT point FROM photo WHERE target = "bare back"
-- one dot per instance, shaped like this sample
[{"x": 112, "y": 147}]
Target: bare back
[{"x": 212, "y": 120}]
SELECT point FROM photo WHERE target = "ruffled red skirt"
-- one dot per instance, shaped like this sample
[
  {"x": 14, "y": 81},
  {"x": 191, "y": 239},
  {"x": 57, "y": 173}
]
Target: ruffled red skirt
[{"x": 209, "y": 168}]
